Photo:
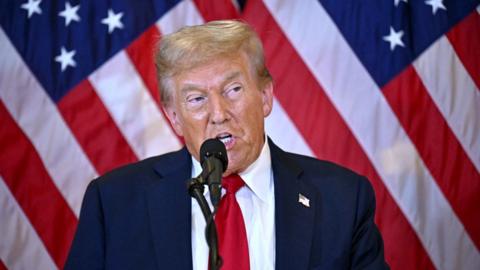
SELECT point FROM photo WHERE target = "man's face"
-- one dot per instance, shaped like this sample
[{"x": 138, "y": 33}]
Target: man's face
[{"x": 222, "y": 99}]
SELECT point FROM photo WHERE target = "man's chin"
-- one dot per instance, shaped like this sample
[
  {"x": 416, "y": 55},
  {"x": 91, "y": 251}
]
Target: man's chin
[{"x": 231, "y": 170}]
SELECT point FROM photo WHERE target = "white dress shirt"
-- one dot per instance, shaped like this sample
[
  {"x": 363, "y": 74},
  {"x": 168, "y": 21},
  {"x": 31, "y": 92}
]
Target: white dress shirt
[{"x": 257, "y": 202}]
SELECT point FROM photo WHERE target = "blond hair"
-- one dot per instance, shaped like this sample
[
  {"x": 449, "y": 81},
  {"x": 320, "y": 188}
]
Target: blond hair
[{"x": 193, "y": 46}]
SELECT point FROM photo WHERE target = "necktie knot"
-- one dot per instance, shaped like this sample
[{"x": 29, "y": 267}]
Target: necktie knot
[{"x": 232, "y": 183}]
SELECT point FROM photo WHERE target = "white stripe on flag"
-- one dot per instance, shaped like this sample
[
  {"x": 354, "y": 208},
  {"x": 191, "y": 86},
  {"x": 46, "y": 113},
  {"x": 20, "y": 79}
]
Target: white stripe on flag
[
  {"x": 284, "y": 133},
  {"x": 323, "y": 48},
  {"x": 133, "y": 109},
  {"x": 38, "y": 117},
  {"x": 20, "y": 246},
  {"x": 184, "y": 13},
  {"x": 453, "y": 90}
]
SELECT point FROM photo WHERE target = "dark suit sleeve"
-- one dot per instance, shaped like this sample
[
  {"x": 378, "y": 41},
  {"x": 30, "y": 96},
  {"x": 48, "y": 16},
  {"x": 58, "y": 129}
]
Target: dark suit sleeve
[
  {"x": 88, "y": 247},
  {"x": 367, "y": 245}
]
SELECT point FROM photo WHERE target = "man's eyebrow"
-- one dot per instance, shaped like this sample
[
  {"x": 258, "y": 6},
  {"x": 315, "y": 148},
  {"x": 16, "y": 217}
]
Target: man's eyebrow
[
  {"x": 189, "y": 87},
  {"x": 192, "y": 87},
  {"x": 232, "y": 76}
]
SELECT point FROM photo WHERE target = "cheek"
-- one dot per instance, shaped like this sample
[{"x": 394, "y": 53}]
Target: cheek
[
  {"x": 253, "y": 124},
  {"x": 199, "y": 115},
  {"x": 193, "y": 117}
]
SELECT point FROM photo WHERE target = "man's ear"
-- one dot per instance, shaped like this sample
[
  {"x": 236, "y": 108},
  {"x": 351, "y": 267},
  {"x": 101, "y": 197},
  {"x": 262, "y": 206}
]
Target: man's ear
[
  {"x": 172, "y": 115},
  {"x": 267, "y": 98}
]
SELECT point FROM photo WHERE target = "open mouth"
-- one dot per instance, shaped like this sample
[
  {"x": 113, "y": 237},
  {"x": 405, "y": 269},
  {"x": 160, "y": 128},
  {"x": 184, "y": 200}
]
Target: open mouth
[{"x": 226, "y": 138}]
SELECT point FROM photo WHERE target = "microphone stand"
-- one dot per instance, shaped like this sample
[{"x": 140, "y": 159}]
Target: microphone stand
[{"x": 195, "y": 189}]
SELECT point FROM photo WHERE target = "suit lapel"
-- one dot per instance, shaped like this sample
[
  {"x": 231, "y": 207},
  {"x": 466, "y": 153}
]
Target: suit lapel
[
  {"x": 293, "y": 219},
  {"x": 169, "y": 209}
]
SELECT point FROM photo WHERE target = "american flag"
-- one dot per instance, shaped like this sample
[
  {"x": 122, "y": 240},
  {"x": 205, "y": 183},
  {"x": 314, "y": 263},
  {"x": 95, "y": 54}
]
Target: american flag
[{"x": 388, "y": 88}]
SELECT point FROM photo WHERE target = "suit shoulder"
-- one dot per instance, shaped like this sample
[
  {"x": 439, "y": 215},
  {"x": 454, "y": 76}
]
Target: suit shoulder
[
  {"x": 131, "y": 173},
  {"x": 322, "y": 167}
]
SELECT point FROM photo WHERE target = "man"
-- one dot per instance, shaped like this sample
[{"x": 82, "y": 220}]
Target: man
[{"x": 296, "y": 212}]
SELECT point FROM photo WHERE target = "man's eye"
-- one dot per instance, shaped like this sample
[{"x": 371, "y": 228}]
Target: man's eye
[
  {"x": 234, "y": 91},
  {"x": 236, "y": 88},
  {"x": 195, "y": 99}
]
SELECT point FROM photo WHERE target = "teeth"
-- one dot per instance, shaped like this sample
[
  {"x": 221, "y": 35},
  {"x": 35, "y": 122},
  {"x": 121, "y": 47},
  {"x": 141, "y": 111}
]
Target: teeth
[{"x": 225, "y": 138}]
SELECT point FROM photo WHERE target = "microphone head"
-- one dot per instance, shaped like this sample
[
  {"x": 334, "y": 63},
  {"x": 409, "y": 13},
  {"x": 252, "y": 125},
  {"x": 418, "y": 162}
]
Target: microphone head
[{"x": 214, "y": 147}]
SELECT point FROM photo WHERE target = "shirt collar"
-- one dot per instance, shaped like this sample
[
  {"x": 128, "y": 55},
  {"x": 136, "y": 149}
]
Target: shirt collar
[{"x": 257, "y": 177}]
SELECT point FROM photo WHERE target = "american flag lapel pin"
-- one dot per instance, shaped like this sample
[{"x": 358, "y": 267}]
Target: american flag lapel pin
[{"x": 303, "y": 200}]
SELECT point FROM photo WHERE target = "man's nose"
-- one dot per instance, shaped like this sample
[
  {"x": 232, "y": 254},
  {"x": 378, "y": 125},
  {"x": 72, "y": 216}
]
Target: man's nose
[{"x": 219, "y": 108}]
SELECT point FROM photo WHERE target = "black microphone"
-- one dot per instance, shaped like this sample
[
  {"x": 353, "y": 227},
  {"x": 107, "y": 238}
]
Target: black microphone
[{"x": 214, "y": 160}]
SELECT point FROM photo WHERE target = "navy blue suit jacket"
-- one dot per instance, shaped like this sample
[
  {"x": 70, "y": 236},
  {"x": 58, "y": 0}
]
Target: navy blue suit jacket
[{"x": 139, "y": 217}]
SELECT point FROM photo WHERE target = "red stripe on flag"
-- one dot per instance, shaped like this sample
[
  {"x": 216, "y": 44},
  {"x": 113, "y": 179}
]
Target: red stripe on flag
[
  {"x": 313, "y": 112},
  {"x": 465, "y": 39},
  {"x": 29, "y": 182},
  {"x": 145, "y": 65},
  {"x": 453, "y": 171},
  {"x": 142, "y": 51},
  {"x": 95, "y": 129},
  {"x": 216, "y": 10}
]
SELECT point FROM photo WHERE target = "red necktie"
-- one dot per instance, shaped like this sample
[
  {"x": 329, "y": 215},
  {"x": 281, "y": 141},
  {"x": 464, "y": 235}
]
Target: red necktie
[{"x": 232, "y": 236}]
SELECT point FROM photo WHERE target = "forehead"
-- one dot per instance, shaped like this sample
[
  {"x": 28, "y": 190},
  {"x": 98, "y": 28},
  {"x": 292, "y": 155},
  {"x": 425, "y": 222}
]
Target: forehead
[{"x": 214, "y": 73}]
